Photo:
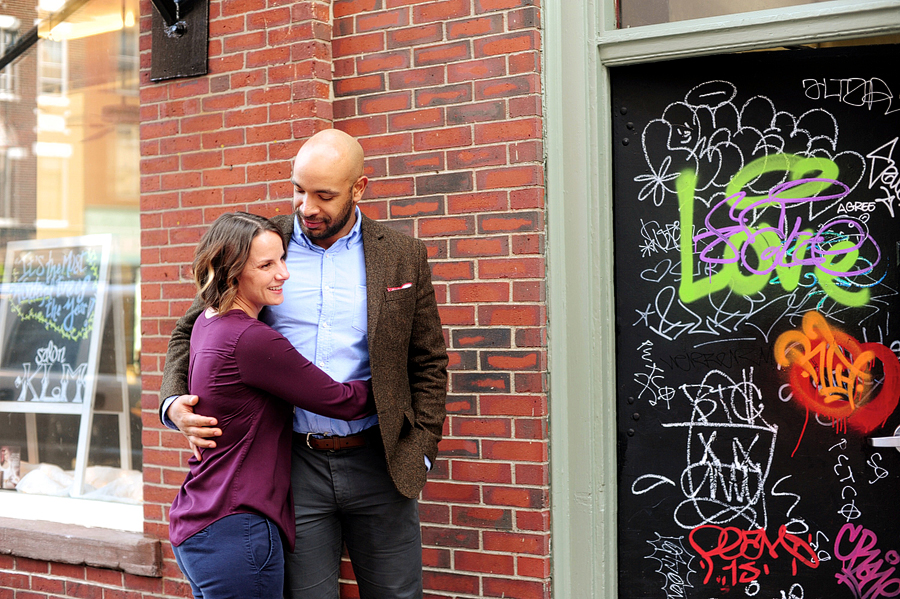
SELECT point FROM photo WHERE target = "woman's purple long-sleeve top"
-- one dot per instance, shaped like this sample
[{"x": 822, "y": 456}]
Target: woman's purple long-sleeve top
[{"x": 245, "y": 373}]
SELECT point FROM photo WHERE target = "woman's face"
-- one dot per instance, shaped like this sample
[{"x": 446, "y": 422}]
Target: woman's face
[{"x": 261, "y": 281}]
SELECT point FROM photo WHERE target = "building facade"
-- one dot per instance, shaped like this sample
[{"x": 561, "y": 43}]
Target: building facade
[
  {"x": 446, "y": 101},
  {"x": 489, "y": 132}
]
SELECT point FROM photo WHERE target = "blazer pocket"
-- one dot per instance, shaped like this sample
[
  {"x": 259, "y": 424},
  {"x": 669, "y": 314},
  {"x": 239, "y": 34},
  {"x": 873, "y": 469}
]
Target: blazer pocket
[
  {"x": 409, "y": 422},
  {"x": 395, "y": 295}
]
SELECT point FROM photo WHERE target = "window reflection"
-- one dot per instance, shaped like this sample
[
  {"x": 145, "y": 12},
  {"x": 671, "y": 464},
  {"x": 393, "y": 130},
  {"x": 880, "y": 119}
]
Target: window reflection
[
  {"x": 69, "y": 169},
  {"x": 51, "y": 68},
  {"x": 9, "y": 30}
]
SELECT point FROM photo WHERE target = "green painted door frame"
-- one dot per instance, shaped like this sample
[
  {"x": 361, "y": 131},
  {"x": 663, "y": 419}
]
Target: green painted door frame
[{"x": 580, "y": 44}]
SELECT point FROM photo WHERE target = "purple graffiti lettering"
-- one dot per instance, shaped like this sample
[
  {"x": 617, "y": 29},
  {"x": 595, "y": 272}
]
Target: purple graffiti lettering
[{"x": 785, "y": 246}]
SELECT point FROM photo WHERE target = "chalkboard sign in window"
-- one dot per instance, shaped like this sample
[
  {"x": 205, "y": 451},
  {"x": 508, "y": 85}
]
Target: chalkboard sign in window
[
  {"x": 52, "y": 316},
  {"x": 757, "y": 235}
]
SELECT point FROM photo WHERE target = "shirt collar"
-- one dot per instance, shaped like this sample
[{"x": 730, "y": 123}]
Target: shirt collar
[{"x": 347, "y": 241}]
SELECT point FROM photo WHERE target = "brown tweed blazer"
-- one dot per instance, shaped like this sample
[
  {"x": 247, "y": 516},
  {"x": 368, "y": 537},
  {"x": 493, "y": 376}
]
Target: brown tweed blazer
[{"x": 407, "y": 352}]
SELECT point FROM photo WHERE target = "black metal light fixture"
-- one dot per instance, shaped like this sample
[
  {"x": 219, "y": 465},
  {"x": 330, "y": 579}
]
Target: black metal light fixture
[{"x": 180, "y": 39}]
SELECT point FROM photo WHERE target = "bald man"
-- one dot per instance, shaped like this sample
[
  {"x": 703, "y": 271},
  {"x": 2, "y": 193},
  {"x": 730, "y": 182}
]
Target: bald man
[{"x": 359, "y": 304}]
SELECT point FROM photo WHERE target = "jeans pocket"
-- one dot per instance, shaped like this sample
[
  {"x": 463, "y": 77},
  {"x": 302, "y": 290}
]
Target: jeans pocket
[{"x": 263, "y": 542}]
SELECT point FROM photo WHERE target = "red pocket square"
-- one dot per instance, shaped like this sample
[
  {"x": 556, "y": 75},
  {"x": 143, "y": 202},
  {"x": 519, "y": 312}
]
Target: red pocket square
[{"x": 403, "y": 286}]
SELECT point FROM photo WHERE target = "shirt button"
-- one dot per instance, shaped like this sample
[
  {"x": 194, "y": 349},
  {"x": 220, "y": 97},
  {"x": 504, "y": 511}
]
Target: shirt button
[{"x": 321, "y": 364}]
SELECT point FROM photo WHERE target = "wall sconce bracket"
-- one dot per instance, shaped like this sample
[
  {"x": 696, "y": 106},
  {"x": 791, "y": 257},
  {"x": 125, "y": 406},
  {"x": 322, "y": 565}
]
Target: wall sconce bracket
[{"x": 180, "y": 39}]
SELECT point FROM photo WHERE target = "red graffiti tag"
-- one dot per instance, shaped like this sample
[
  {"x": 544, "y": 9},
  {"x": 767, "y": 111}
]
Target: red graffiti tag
[
  {"x": 861, "y": 566},
  {"x": 743, "y": 551},
  {"x": 834, "y": 375}
]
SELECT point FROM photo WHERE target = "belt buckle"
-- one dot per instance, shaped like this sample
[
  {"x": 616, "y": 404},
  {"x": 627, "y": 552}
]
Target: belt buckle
[{"x": 310, "y": 435}]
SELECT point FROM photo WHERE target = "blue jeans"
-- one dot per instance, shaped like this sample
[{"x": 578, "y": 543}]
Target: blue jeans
[{"x": 239, "y": 556}]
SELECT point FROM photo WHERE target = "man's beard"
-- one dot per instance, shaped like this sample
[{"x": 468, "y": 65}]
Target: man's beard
[{"x": 331, "y": 229}]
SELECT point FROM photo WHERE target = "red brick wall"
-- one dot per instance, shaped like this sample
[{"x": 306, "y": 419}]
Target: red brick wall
[
  {"x": 23, "y": 578},
  {"x": 445, "y": 97},
  {"x": 446, "y": 100}
]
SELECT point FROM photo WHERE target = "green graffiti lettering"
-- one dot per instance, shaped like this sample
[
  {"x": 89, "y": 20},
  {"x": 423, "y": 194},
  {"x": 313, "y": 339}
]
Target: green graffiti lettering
[
  {"x": 788, "y": 276},
  {"x": 845, "y": 263},
  {"x": 768, "y": 246},
  {"x": 740, "y": 282},
  {"x": 799, "y": 168},
  {"x": 691, "y": 290}
]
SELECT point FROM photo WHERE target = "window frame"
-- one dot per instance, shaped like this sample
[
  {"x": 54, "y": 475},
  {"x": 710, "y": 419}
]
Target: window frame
[
  {"x": 8, "y": 77},
  {"x": 63, "y": 65},
  {"x": 129, "y": 552}
]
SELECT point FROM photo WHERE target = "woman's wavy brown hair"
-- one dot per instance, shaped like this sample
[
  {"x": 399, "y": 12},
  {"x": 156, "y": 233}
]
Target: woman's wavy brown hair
[{"x": 223, "y": 252}]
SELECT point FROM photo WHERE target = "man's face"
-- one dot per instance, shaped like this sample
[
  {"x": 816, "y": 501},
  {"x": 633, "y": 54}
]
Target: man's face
[
  {"x": 324, "y": 217},
  {"x": 324, "y": 201}
]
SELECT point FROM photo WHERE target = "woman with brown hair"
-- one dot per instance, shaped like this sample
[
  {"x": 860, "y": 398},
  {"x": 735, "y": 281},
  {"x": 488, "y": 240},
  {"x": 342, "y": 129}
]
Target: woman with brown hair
[{"x": 234, "y": 511}]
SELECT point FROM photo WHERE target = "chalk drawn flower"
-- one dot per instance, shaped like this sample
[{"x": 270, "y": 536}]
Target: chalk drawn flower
[{"x": 655, "y": 185}]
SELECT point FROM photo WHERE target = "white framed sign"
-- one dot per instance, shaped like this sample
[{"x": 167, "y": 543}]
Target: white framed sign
[{"x": 53, "y": 310}]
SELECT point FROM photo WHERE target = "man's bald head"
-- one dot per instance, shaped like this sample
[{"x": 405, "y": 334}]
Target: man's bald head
[
  {"x": 328, "y": 183},
  {"x": 334, "y": 148}
]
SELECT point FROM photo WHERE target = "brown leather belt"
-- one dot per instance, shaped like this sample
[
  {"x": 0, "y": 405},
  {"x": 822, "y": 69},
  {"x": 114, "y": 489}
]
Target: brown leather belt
[{"x": 329, "y": 443}]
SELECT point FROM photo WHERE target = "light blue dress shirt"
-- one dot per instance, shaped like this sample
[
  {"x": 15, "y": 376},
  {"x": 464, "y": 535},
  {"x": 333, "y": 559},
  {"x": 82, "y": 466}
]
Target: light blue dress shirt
[{"x": 324, "y": 316}]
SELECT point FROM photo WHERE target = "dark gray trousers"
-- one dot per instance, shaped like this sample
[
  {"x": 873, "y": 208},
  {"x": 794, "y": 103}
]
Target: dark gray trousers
[{"x": 347, "y": 496}]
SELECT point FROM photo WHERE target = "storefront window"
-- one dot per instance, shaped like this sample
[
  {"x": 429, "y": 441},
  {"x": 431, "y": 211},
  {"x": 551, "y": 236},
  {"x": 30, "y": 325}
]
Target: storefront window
[
  {"x": 650, "y": 12},
  {"x": 70, "y": 251}
]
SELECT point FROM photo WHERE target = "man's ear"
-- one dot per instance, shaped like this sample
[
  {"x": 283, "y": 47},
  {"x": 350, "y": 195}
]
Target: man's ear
[{"x": 359, "y": 188}]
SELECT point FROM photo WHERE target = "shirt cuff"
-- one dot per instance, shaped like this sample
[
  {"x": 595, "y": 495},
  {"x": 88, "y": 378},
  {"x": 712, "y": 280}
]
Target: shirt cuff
[
  {"x": 427, "y": 464},
  {"x": 165, "y": 408}
]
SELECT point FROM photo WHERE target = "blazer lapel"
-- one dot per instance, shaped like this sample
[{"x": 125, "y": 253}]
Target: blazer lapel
[{"x": 375, "y": 285}]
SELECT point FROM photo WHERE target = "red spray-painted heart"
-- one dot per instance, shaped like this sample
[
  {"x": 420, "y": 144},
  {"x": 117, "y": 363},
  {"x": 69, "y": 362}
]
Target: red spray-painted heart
[
  {"x": 834, "y": 375},
  {"x": 861, "y": 408}
]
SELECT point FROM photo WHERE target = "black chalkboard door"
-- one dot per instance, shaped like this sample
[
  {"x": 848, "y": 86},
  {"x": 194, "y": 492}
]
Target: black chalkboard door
[{"x": 757, "y": 233}]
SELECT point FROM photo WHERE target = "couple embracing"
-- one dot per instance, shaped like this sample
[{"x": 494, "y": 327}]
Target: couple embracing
[{"x": 310, "y": 377}]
